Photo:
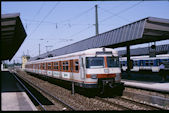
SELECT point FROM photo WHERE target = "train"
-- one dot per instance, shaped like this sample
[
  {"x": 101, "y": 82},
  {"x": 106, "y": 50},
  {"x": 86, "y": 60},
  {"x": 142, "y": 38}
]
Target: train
[
  {"x": 146, "y": 63},
  {"x": 95, "y": 68}
]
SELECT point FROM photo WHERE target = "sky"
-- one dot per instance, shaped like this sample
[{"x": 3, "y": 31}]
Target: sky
[{"x": 55, "y": 24}]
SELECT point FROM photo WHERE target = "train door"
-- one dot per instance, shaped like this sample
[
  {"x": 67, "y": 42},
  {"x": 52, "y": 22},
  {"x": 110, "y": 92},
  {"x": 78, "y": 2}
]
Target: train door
[{"x": 82, "y": 71}]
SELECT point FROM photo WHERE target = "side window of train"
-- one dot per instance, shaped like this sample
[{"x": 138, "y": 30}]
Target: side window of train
[
  {"x": 124, "y": 63},
  {"x": 43, "y": 67},
  {"x": 56, "y": 65},
  {"x": 66, "y": 65},
  {"x": 63, "y": 65},
  {"x": 157, "y": 62},
  {"x": 39, "y": 66},
  {"x": 151, "y": 62},
  {"x": 60, "y": 65},
  {"x": 49, "y": 66},
  {"x": 76, "y": 64},
  {"x": 141, "y": 63},
  {"x": 135, "y": 63}
]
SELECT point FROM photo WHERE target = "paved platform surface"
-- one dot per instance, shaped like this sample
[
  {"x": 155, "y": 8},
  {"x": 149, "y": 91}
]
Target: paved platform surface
[
  {"x": 156, "y": 86},
  {"x": 13, "y": 96}
]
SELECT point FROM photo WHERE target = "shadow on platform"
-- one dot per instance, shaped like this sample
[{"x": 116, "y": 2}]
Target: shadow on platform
[
  {"x": 147, "y": 77},
  {"x": 9, "y": 83}
]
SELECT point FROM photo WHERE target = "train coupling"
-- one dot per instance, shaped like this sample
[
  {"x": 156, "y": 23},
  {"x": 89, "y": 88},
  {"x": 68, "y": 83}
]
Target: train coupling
[{"x": 105, "y": 84}]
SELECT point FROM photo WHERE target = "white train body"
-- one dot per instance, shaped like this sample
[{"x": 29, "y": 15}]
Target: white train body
[
  {"x": 141, "y": 63},
  {"x": 85, "y": 68}
]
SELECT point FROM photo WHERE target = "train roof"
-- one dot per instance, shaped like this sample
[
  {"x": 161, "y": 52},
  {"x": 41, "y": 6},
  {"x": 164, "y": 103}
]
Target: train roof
[
  {"x": 12, "y": 35},
  {"x": 85, "y": 52}
]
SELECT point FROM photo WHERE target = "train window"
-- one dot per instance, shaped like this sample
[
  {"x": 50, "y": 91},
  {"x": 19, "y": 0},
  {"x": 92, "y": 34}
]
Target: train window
[
  {"x": 147, "y": 63},
  {"x": 113, "y": 61},
  {"x": 43, "y": 66},
  {"x": 38, "y": 66},
  {"x": 141, "y": 63},
  {"x": 76, "y": 66},
  {"x": 63, "y": 65},
  {"x": 56, "y": 65},
  {"x": 164, "y": 60},
  {"x": 66, "y": 66},
  {"x": 60, "y": 65},
  {"x": 135, "y": 63},
  {"x": 124, "y": 63},
  {"x": 157, "y": 62},
  {"x": 49, "y": 66},
  {"x": 94, "y": 62},
  {"x": 33, "y": 66},
  {"x": 151, "y": 63}
]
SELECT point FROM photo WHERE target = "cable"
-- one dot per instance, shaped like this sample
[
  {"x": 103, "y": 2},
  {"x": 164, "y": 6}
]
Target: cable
[
  {"x": 122, "y": 11},
  {"x": 78, "y": 15},
  {"x": 70, "y": 19},
  {"x": 37, "y": 12},
  {"x": 44, "y": 18},
  {"x": 36, "y": 21},
  {"x": 105, "y": 10}
]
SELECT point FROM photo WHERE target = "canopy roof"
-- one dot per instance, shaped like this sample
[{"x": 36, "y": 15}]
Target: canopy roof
[
  {"x": 12, "y": 35},
  {"x": 146, "y": 30}
]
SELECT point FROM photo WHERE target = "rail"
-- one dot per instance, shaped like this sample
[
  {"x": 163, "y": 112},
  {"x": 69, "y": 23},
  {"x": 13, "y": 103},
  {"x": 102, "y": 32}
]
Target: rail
[
  {"x": 41, "y": 106},
  {"x": 141, "y": 103},
  {"x": 54, "y": 97},
  {"x": 114, "y": 104}
]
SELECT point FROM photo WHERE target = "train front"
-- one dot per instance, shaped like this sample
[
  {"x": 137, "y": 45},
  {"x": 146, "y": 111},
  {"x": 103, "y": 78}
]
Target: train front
[{"x": 104, "y": 68}]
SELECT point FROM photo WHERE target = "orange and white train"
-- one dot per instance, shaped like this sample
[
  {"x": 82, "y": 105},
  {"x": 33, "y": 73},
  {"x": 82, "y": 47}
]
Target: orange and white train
[{"x": 92, "y": 68}]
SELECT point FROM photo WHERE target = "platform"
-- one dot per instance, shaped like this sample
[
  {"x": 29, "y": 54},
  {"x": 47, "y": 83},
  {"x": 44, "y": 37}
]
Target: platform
[
  {"x": 13, "y": 96},
  {"x": 154, "y": 86}
]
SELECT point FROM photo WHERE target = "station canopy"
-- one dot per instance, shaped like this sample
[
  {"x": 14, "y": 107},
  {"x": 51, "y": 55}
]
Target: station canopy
[
  {"x": 146, "y": 30},
  {"x": 12, "y": 35}
]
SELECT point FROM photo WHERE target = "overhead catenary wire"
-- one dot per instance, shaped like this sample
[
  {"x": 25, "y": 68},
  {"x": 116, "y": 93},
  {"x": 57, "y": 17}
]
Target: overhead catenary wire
[
  {"x": 77, "y": 16},
  {"x": 42, "y": 5},
  {"x": 109, "y": 17},
  {"x": 44, "y": 18},
  {"x": 66, "y": 20},
  {"x": 122, "y": 11},
  {"x": 105, "y": 10}
]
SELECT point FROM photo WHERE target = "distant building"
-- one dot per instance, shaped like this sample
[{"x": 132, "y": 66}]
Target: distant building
[{"x": 25, "y": 59}]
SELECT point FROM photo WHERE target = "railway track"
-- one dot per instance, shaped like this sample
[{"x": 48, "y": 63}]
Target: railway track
[
  {"x": 83, "y": 103},
  {"x": 80, "y": 102},
  {"x": 66, "y": 106},
  {"x": 29, "y": 92},
  {"x": 151, "y": 107},
  {"x": 113, "y": 104},
  {"x": 128, "y": 104}
]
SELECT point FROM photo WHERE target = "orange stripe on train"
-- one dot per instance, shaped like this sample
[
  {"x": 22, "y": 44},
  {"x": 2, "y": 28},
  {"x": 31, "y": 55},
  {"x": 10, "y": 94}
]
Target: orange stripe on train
[{"x": 102, "y": 75}]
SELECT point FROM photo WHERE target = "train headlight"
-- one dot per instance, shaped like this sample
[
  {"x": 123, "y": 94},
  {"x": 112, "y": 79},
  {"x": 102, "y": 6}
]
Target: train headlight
[{"x": 93, "y": 76}]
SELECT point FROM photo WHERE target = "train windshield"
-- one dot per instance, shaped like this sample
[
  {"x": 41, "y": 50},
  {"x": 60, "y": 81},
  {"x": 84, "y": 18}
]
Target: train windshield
[
  {"x": 94, "y": 62},
  {"x": 113, "y": 61}
]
